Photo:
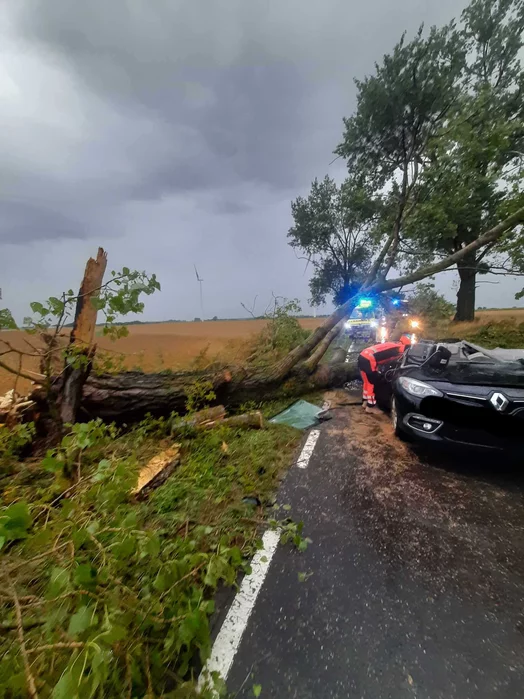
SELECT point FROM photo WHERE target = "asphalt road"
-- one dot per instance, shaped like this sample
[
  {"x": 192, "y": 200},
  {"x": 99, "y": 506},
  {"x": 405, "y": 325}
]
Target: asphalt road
[{"x": 415, "y": 577}]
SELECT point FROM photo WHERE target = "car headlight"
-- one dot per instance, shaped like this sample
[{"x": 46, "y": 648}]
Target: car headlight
[
  {"x": 373, "y": 323},
  {"x": 418, "y": 388}
]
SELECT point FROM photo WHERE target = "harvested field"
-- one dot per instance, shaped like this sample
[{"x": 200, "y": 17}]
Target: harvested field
[
  {"x": 501, "y": 314},
  {"x": 158, "y": 346}
]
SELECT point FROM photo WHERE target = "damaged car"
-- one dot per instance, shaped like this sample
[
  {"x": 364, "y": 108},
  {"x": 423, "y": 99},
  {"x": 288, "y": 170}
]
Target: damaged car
[{"x": 457, "y": 393}]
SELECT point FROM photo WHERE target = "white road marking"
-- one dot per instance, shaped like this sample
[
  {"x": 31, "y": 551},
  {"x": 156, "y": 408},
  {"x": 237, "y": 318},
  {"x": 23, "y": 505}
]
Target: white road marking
[
  {"x": 228, "y": 640},
  {"x": 308, "y": 448}
]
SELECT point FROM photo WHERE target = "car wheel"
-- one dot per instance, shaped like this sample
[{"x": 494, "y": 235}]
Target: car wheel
[{"x": 395, "y": 421}]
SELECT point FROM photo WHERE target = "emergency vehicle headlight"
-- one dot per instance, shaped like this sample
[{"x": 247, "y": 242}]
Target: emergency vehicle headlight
[
  {"x": 417, "y": 388},
  {"x": 373, "y": 323}
]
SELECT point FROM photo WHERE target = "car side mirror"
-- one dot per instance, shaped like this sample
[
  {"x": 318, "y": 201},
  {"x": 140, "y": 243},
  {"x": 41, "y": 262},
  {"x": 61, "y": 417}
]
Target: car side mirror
[{"x": 440, "y": 358}]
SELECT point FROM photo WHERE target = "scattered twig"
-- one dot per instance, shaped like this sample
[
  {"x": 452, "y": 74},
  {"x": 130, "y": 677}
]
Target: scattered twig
[
  {"x": 46, "y": 554},
  {"x": 31, "y": 685},
  {"x": 150, "y": 694},
  {"x": 57, "y": 646},
  {"x": 185, "y": 577},
  {"x": 252, "y": 310},
  {"x": 32, "y": 601},
  {"x": 23, "y": 374},
  {"x": 244, "y": 682}
]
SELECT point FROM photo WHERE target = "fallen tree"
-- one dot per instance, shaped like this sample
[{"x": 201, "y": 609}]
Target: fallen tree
[{"x": 128, "y": 396}]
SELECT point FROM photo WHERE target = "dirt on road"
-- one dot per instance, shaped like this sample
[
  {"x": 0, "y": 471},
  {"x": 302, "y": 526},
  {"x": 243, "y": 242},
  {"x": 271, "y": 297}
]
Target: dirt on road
[{"x": 412, "y": 584}]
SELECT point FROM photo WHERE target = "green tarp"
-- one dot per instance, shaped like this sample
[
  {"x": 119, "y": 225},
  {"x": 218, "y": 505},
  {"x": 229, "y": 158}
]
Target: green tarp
[{"x": 300, "y": 415}]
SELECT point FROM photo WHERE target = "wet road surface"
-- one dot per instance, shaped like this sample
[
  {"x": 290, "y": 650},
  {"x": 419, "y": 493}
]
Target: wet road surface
[{"x": 415, "y": 577}]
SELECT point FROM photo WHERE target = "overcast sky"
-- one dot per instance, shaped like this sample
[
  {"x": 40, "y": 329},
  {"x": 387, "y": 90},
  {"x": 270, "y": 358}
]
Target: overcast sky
[{"x": 177, "y": 132}]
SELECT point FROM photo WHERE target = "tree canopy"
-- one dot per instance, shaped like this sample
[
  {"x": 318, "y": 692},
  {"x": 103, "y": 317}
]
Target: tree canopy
[
  {"x": 475, "y": 166},
  {"x": 333, "y": 231},
  {"x": 435, "y": 149}
]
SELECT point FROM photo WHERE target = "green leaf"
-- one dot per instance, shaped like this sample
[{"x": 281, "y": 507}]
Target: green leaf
[
  {"x": 257, "y": 689},
  {"x": 114, "y": 634},
  {"x": 39, "y": 308},
  {"x": 125, "y": 548},
  {"x": 98, "y": 303},
  {"x": 66, "y": 687},
  {"x": 80, "y": 621},
  {"x": 58, "y": 581},
  {"x": 287, "y": 508},
  {"x": 131, "y": 520},
  {"x": 85, "y": 575},
  {"x": 153, "y": 546},
  {"x": 15, "y": 520},
  {"x": 160, "y": 583},
  {"x": 52, "y": 464},
  {"x": 103, "y": 471},
  {"x": 79, "y": 537}
]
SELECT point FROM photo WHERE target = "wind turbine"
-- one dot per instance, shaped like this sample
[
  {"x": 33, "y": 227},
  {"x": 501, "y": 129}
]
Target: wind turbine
[{"x": 200, "y": 280}]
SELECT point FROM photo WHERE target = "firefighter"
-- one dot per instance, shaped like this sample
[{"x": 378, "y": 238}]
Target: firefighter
[{"x": 371, "y": 358}]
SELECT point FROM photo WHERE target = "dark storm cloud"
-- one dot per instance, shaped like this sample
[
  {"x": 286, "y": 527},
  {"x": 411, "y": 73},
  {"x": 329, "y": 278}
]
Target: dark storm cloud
[
  {"x": 184, "y": 123},
  {"x": 222, "y": 107},
  {"x": 186, "y": 97}
]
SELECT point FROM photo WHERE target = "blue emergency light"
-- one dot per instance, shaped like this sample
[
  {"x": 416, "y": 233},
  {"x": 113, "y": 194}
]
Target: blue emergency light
[{"x": 396, "y": 302}]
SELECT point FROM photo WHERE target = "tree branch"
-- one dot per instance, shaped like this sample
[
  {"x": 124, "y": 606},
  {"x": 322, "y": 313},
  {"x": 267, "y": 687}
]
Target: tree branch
[
  {"x": 22, "y": 373},
  {"x": 322, "y": 347},
  {"x": 485, "y": 239}
]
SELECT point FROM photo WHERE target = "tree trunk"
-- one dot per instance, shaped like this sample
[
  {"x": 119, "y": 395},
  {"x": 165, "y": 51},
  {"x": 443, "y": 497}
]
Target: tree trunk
[
  {"x": 80, "y": 352},
  {"x": 129, "y": 396},
  {"x": 466, "y": 293}
]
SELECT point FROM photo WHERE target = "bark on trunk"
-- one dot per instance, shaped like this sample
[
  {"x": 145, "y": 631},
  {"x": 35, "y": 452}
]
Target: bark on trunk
[
  {"x": 129, "y": 396},
  {"x": 80, "y": 352},
  {"x": 467, "y": 288}
]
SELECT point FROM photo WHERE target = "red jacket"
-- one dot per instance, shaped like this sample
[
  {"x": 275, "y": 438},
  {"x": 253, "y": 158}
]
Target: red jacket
[{"x": 384, "y": 352}]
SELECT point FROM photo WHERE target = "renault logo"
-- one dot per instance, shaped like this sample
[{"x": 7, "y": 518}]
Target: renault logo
[{"x": 499, "y": 402}]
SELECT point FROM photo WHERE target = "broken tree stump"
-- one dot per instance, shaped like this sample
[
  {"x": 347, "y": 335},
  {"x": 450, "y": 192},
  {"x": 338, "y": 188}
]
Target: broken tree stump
[
  {"x": 199, "y": 419},
  {"x": 247, "y": 421},
  {"x": 80, "y": 352}
]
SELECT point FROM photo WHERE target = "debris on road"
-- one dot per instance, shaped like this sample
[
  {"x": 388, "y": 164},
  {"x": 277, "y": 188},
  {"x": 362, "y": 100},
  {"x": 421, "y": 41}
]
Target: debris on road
[{"x": 300, "y": 415}]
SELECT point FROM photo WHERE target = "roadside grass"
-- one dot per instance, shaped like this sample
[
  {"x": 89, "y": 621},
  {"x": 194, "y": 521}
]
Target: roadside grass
[
  {"x": 507, "y": 333},
  {"x": 104, "y": 596}
]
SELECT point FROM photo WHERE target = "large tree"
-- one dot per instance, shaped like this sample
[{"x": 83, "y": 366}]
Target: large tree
[
  {"x": 333, "y": 230},
  {"x": 474, "y": 168},
  {"x": 402, "y": 110}
]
